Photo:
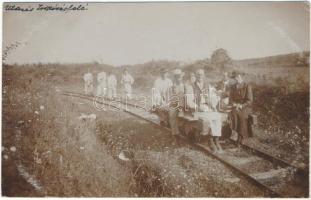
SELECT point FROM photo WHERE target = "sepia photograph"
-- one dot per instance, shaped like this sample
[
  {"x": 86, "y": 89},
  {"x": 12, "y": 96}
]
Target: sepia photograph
[{"x": 155, "y": 99}]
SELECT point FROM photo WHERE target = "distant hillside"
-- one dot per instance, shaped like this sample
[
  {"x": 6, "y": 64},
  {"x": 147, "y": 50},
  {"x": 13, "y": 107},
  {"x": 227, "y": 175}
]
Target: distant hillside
[
  {"x": 285, "y": 60},
  {"x": 145, "y": 73}
]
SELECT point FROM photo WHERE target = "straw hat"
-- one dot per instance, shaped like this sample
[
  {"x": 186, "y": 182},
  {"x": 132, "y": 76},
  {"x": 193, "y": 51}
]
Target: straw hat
[{"x": 178, "y": 72}]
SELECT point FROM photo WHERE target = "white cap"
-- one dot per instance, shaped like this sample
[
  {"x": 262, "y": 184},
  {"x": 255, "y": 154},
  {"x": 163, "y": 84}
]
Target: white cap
[{"x": 177, "y": 72}]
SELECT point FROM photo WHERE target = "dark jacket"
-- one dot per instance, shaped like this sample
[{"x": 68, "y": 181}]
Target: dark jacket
[{"x": 242, "y": 94}]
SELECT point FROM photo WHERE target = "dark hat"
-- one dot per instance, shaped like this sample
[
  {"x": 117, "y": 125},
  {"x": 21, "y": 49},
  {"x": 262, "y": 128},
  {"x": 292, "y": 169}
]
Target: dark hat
[
  {"x": 233, "y": 74},
  {"x": 164, "y": 70}
]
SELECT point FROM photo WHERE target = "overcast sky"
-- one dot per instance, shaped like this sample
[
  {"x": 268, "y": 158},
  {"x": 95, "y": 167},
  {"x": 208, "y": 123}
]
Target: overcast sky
[{"x": 129, "y": 33}]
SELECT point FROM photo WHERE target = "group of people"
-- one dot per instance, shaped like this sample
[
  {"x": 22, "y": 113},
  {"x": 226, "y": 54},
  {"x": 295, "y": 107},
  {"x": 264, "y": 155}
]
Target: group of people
[
  {"x": 200, "y": 99},
  {"x": 107, "y": 84},
  {"x": 195, "y": 96}
]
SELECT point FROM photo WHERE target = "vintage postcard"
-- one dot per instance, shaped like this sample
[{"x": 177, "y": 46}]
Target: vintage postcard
[{"x": 155, "y": 99}]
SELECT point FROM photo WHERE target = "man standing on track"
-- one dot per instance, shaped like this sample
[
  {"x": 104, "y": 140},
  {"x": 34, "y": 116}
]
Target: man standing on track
[
  {"x": 111, "y": 86},
  {"x": 101, "y": 84},
  {"x": 88, "y": 83},
  {"x": 127, "y": 81}
]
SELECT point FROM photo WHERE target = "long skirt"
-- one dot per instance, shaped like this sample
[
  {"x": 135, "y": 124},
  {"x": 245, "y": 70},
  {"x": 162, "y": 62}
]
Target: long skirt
[{"x": 211, "y": 123}]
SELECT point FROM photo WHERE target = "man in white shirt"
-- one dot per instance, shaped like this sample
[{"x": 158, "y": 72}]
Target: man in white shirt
[
  {"x": 111, "y": 86},
  {"x": 101, "y": 84},
  {"x": 127, "y": 81},
  {"x": 88, "y": 83}
]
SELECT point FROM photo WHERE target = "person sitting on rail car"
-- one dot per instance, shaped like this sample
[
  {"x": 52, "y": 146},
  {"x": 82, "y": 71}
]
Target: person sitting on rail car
[
  {"x": 101, "y": 84},
  {"x": 192, "y": 78},
  {"x": 224, "y": 88},
  {"x": 111, "y": 86},
  {"x": 207, "y": 101},
  {"x": 190, "y": 102},
  {"x": 127, "y": 81},
  {"x": 242, "y": 99},
  {"x": 176, "y": 102},
  {"x": 160, "y": 96},
  {"x": 88, "y": 83}
]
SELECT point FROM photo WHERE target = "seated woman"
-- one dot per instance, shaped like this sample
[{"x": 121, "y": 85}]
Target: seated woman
[{"x": 207, "y": 100}]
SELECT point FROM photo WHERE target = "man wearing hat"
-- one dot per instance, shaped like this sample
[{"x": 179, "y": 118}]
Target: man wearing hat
[
  {"x": 176, "y": 101},
  {"x": 241, "y": 99}
]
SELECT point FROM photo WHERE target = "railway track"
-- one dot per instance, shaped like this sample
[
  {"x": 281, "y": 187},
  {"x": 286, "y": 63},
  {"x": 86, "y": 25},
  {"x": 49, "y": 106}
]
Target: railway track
[{"x": 275, "y": 176}]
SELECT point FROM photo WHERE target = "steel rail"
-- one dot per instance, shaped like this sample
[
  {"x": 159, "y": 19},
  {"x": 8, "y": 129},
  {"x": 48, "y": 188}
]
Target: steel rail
[
  {"x": 283, "y": 163},
  {"x": 199, "y": 146}
]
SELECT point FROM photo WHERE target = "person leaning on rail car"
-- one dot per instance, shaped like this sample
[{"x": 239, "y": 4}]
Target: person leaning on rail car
[
  {"x": 176, "y": 102},
  {"x": 161, "y": 88},
  {"x": 241, "y": 98},
  {"x": 160, "y": 96}
]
